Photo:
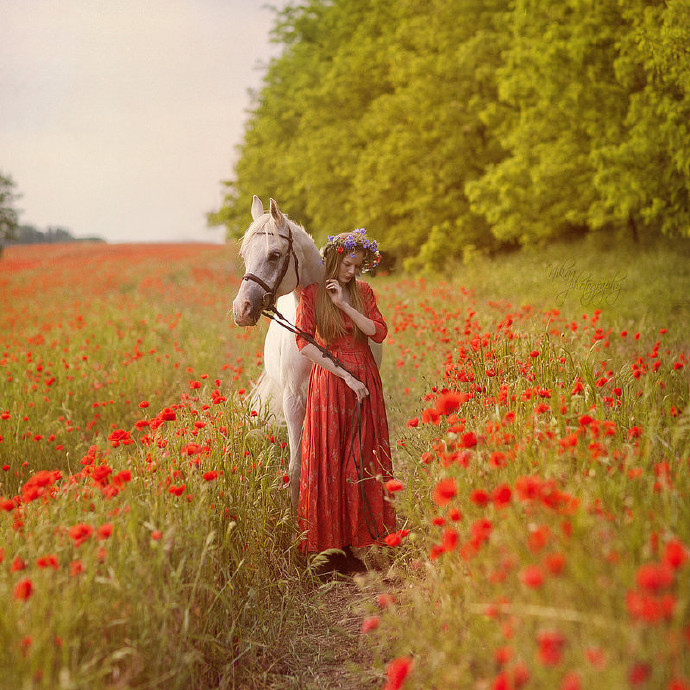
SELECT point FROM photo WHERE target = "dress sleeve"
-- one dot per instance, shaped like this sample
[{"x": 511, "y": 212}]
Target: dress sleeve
[
  {"x": 305, "y": 315},
  {"x": 372, "y": 311}
]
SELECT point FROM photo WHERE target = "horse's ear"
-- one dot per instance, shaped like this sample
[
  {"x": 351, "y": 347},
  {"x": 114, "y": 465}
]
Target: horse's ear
[
  {"x": 278, "y": 217},
  {"x": 257, "y": 208}
]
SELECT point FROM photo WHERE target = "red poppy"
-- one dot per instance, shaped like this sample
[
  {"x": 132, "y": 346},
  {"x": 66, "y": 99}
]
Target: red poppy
[
  {"x": 501, "y": 495},
  {"x": 571, "y": 681},
  {"x": 105, "y": 530},
  {"x": 449, "y": 401},
  {"x": 675, "y": 554},
  {"x": 639, "y": 673},
  {"x": 532, "y": 576},
  {"x": 431, "y": 415},
  {"x": 392, "y": 539},
  {"x": 23, "y": 589},
  {"x": 550, "y": 651},
  {"x": 444, "y": 491},
  {"x": 80, "y": 533},
  {"x": 554, "y": 562},
  {"x": 393, "y": 485},
  {"x": 17, "y": 565},
  {"x": 370, "y": 623},
  {"x": 396, "y": 672},
  {"x": 479, "y": 497},
  {"x": 654, "y": 577}
]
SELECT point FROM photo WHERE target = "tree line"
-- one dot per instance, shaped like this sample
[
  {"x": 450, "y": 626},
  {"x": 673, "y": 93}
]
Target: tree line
[
  {"x": 449, "y": 127},
  {"x": 11, "y": 232}
]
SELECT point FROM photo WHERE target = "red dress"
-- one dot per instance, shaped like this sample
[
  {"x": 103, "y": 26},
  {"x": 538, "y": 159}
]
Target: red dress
[{"x": 342, "y": 500}]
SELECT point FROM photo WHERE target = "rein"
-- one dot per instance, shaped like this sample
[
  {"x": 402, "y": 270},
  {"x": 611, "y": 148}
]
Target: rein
[{"x": 270, "y": 312}]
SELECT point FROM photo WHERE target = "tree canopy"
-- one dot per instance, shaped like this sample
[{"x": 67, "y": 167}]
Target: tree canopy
[
  {"x": 450, "y": 127},
  {"x": 9, "y": 217}
]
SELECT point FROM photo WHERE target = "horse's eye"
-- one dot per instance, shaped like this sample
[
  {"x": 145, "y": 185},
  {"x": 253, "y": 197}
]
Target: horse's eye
[{"x": 274, "y": 256}]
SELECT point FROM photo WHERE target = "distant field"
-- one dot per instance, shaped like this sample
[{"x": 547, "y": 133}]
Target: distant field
[{"x": 538, "y": 406}]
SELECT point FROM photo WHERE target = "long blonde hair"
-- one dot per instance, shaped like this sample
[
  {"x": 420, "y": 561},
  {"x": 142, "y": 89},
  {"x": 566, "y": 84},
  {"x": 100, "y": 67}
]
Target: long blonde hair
[{"x": 329, "y": 319}]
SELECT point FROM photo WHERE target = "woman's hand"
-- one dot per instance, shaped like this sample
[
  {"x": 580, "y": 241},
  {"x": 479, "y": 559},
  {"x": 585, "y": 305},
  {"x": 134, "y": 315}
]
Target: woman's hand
[
  {"x": 335, "y": 292},
  {"x": 360, "y": 390}
]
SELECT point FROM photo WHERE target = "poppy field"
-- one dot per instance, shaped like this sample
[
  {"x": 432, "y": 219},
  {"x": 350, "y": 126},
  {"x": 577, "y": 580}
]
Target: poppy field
[{"x": 541, "y": 459}]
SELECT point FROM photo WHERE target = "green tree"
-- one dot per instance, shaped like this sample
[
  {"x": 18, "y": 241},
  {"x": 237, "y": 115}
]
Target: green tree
[
  {"x": 559, "y": 98},
  {"x": 8, "y": 214},
  {"x": 644, "y": 177},
  {"x": 425, "y": 138}
]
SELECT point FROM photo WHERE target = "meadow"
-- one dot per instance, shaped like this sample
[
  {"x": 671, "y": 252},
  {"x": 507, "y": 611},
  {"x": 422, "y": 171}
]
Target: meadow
[{"x": 538, "y": 406}]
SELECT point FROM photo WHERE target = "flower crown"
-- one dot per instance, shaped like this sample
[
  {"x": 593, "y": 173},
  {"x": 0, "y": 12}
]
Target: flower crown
[{"x": 351, "y": 242}]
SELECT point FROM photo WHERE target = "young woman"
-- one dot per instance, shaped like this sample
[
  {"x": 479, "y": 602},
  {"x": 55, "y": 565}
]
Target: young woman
[{"x": 345, "y": 446}]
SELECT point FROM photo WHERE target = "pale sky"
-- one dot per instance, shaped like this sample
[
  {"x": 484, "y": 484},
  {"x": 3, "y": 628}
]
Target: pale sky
[{"x": 119, "y": 118}]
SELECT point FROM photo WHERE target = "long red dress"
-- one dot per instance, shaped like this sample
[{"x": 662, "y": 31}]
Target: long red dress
[{"x": 342, "y": 499}]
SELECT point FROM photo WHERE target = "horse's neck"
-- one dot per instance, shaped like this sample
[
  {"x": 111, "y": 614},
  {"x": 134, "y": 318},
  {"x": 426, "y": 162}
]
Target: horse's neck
[{"x": 311, "y": 270}]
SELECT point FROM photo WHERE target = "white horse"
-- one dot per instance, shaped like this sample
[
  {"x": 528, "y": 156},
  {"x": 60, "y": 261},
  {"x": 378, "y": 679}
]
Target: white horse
[{"x": 280, "y": 259}]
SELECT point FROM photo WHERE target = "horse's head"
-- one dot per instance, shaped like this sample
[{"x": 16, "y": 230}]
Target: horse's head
[{"x": 270, "y": 260}]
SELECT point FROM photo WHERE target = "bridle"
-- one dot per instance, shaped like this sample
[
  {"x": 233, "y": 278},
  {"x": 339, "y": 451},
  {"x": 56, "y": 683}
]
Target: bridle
[{"x": 270, "y": 297}]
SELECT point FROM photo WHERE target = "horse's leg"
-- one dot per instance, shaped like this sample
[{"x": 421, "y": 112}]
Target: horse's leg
[{"x": 294, "y": 408}]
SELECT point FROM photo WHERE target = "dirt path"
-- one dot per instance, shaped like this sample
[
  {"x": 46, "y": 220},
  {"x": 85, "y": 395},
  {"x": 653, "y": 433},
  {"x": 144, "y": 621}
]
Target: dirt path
[
  {"x": 331, "y": 652},
  {"x": 336, "y": 652}
]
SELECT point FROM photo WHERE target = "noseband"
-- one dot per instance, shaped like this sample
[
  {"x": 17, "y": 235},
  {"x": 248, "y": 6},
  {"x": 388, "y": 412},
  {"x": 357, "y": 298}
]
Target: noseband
[{"x": 270, "y": 296}]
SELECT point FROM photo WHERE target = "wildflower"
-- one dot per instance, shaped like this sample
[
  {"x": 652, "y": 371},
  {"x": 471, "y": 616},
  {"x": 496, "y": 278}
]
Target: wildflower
[
  {"x": 498, "y": 459},
  {"x": 393, "y": 485},
  {"x": 571, "y": 681},
  {"x": 468, "y": 440},
  {"x": 538, "y": 538},
  {"x": 501, "y": 496},
  {"x": 450, "y": 401},
  {"x": 105, "y": 530},
  {"x": 80, "y": 533},
  {"x": 156, "y": 534},
  {"x": 480, "y": 531},
  {"x": 503, "y": 655},
  {"x": 385, "y": 600},
  {"x": 50, "y": 561},
  {"x": 595, "y": 656},
  {"x": 396, "y": 672},
  {"x": 675, "y": 554},
  {"x": 444, "y": 491},
  {"x": 431, "y": 415},
  {"x": 550, "y": 651},
  {"x": 17, "y": 565},
  {"x": 520, "y": 675},
  {"x": 479, "y": 497},
  {"x": 450, "y": 539},
  {"x": 653, "y": 577},
  {"x": 413, "y": 422},
  {"x": 639, "y": 673},
  {"x": 392, "y": 539},
  {"x": 211, "y": 475},
  {"x": 370, "y": 623},
  {"x": 532, "y": 576},
  {"x": 554, "y": 563},
  {"x": 23, "y": 589}
]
